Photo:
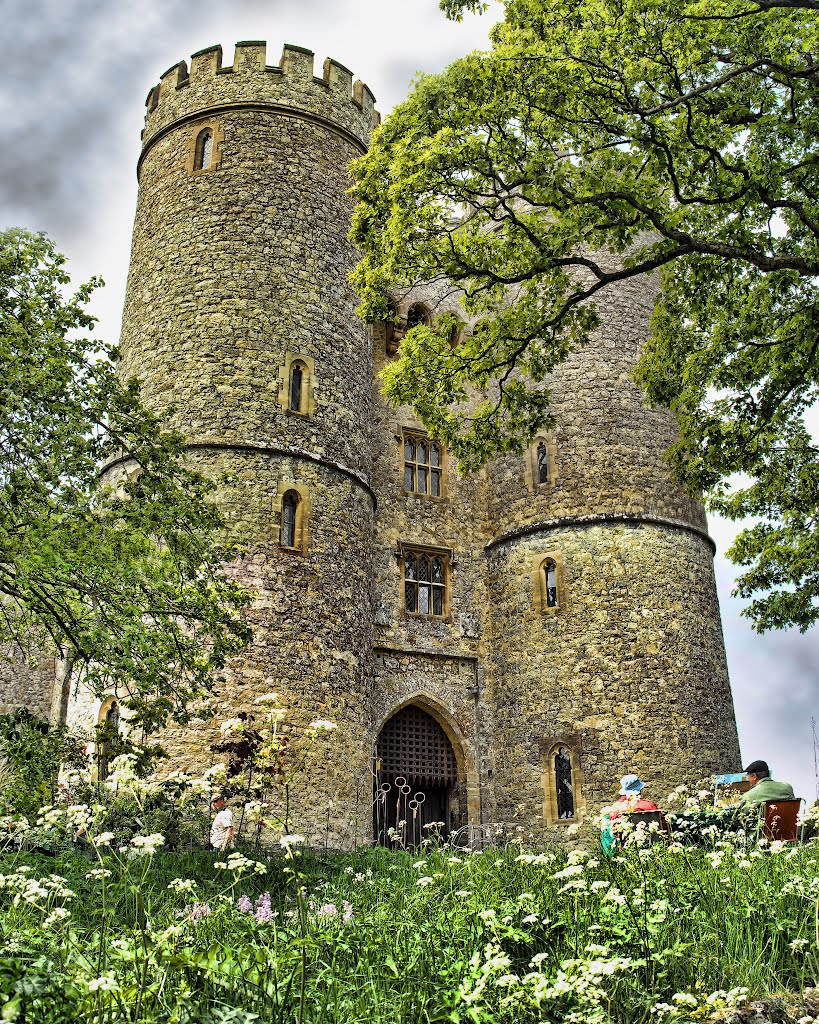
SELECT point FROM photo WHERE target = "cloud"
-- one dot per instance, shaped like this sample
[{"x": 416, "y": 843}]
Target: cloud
[{"x": 774, "y": 679}]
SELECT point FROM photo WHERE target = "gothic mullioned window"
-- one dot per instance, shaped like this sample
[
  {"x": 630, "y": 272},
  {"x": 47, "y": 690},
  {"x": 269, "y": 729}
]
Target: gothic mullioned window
[
  {"x": 423, "y": 465},
  {"x": 425, "y": 582}
]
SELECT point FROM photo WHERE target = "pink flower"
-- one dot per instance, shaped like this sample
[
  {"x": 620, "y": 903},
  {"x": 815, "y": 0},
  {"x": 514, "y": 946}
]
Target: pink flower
[
  {"x": 244, "y": 904},
  {"x": 264, "y": 911},
  {"x": 200, "y": 910}
]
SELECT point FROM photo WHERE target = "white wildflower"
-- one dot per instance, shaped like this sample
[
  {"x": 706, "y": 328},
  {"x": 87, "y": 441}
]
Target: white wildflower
[
  {"x": 146, "y": 846},
  {"x": 103, "y": 984},
  {"x": 98, "y": 873},
  {"x": 182, "y": 885},
  {"x": 232, "y": 727},
  {"x": 321, "y": 725},
  {"x": 58, "y": 914}
]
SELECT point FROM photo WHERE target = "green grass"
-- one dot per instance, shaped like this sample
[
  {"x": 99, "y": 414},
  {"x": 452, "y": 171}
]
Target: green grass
[{"x": 458, "y": 947}]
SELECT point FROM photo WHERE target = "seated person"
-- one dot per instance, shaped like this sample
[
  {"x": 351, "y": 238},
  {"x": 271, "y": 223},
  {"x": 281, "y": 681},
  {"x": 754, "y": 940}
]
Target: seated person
[
  {"x": 629, "y": 801},
  {"x": 763, "y": 787}
]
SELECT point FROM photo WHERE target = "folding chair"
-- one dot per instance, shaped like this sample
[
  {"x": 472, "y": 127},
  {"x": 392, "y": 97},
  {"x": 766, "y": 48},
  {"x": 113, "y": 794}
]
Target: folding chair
[{"x": 779, "y": 822}]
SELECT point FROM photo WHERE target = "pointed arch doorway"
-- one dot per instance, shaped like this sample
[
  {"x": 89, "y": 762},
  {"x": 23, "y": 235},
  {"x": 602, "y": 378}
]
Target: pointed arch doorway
[{"x": 416, "y": 779}]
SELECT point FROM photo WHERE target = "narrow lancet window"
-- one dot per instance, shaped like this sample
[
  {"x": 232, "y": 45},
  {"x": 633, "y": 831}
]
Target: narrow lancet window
[
  {"x": 296, "y": 381},
  {"x": 290, "y": 504},
  {"x": 204, "y": 150},
  {"x": 108, "y": 733},
  {"x": 550, "y": 570},
  {"x": 542, "y": 463},
  {"x": 563, "y": 783}
]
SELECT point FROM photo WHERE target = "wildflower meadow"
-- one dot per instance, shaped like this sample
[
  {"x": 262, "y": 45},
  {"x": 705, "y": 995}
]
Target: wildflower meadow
[{"x": 113, "y": 910}]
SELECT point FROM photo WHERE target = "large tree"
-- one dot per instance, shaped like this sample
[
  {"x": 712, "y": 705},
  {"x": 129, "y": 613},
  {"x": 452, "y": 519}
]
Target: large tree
[
  {"x": 121, "y": 576},
  {"x": 599, "y": 140}
]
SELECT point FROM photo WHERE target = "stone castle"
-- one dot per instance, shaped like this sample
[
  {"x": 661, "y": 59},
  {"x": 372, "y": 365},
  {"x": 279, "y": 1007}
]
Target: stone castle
[{"x": 494, "y": 648}]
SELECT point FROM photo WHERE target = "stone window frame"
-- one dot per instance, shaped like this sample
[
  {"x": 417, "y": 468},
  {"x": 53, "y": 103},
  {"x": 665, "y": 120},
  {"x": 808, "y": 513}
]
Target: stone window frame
[
  {"x": 425, "y": 318},
  {"x": 302, "y": 528},
  {"x": 421, "y": 435},
  {"x": 549, "y": 746},
  {"x": 531, "y": 469},
  {"x": 393, "y": 331},
  {"x": 218, "y": 137},
  {"x": 103, "y": 711},
  {"x": 456, "y": 331},
  {"x": 539, "y": 594},
  {"x": 431, "y": 551},
  {"x": 308, "y": 399}
]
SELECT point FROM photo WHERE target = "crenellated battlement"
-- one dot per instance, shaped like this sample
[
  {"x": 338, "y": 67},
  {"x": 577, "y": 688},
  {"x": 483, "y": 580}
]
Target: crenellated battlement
[{"x": 335, "y": 97}]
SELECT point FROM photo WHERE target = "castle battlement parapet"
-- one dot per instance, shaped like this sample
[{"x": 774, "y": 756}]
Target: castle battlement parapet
[{"x": 183, "y": 94}]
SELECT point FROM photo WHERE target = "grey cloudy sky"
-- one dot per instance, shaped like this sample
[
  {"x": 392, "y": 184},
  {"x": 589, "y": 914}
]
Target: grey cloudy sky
[{"x": 75, "y": 77}]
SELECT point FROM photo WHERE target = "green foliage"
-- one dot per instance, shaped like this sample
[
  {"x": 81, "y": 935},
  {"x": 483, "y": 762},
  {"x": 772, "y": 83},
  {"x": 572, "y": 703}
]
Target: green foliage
[
  {"x": 599, "y": 141},
  {"x": 31, "y": 755},
  {"x": 123, "y": 579},
  {"x": 502, "y": 937}
]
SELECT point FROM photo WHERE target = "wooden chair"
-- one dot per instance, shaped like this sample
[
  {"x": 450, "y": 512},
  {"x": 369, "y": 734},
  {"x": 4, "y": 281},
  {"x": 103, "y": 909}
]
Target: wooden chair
[
  {"x": 646, "y": 818},
  {"x": 779, "y": 822}
]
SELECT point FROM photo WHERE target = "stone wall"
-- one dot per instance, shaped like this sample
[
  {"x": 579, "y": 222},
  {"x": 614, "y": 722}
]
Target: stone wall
[
  {"x": 629, "y": 669},
  {"x": 241, "y": 266},
  {"x": 237, "y": 268},
  {"x": 26, "y": 682}
]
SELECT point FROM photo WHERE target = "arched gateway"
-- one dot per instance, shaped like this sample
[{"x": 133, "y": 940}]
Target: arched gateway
[{"x": 416, "y": 778}]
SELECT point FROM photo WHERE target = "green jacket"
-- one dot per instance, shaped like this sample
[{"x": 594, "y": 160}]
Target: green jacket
[{"x": 766, "y": 789}]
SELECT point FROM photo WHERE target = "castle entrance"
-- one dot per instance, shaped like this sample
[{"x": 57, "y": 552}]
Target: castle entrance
[{"x": 416, "y": 779}]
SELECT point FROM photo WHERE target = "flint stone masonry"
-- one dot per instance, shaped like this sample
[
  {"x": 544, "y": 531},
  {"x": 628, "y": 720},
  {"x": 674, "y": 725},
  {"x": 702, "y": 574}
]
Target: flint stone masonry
[
  {"x": 26, "y": 683},
  {"x": 240, "y": 269}
]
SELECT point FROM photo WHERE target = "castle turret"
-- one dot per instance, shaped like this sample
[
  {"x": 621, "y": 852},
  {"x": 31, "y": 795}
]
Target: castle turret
[
  {"x": 506, "y": 645},
  {"x": 607, "y": 647},
  {"x": 239, "y": 313}
]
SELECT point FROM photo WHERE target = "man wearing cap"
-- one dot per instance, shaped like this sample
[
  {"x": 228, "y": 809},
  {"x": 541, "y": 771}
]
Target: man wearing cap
[{"x": 763, "y": 787}]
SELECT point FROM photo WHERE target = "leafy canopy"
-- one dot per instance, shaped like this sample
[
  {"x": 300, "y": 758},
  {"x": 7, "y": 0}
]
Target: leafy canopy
[
  {"x": 599, "y": 140},
  {"x": 120, "y": 574}
]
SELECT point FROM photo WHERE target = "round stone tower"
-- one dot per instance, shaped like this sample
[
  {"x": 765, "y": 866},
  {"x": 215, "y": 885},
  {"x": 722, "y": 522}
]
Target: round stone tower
[
  {"x": 606, "y": 641},
  {"x": 239, "y": 313}
]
